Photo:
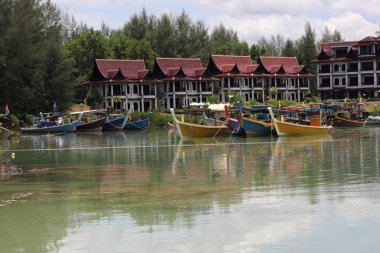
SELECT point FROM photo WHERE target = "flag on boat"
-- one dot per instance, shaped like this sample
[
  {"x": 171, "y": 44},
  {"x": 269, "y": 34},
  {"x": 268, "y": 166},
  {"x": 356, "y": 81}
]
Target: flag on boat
[{"x": 6, "y": 110}]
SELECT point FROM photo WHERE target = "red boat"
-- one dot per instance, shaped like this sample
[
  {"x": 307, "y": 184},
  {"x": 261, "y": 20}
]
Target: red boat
[
  {"x": 344, "y": 122},
  {"x": 90, "y": 121}
]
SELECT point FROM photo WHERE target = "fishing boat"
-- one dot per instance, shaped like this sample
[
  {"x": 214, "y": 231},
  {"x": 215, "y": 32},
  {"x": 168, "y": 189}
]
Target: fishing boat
[
  {"x": 90, "y": 121},
  {"x": 54, "y": 123},
  {"x": 4, "y": 133},
  {"x": 234, "y": 120},
  {"x": 138, "y": 124},
  {"x": 190, "y": 130},
  {"x": 115, "y": 122},
  {"x": 345, "y": 122},
  {"x": 349, "y": 115},
  {"x": 284, "y": 127},
  {"x": 256, "y": 121}
]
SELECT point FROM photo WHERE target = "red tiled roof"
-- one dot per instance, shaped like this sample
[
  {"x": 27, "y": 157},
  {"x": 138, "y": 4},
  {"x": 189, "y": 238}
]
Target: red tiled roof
[
  {"x": 129, "y": 68},
  {"x": 370, "y": 39},
  {"x": 271, "y": 63},
  {"x": 327, "y": 46},
  {"x": 227, "y": 60},
  {"x": 188, "y": 65}
]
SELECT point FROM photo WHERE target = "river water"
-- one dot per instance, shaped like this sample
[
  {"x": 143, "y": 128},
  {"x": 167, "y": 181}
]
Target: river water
[{"x": 152, "y": 192}]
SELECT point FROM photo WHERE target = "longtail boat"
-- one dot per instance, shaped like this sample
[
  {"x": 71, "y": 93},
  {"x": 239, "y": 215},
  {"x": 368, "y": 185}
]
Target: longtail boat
[
  {"x": 138, "y": 124},
  {"x": 90, "y": 121},
  {"x": 344, "y": 122},
  {"x": 51, "y": 124},
  {"x": 290, "y": 128},
  {"x": 117, "y": 122},
  {"x": 260, "y": 125},
  {"x": 191, "y": 130}
]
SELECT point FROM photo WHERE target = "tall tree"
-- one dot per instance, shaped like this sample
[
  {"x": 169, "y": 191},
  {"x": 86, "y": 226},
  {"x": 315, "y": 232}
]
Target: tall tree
[
  {"x": 165, "y": 37},
  {"x": 183, "y": 26},
  {"x": 138, "y": 26},
  {"x": 22, "y": 55},
  {"x": 328, "y": 36},
  {"x": 289, "y": 49},
  {"x": 198, "y": 39},
  {"x": 255, "y": 51},
  {"x": 84, "y": 50},
  {"x": 308, "y": 49}
]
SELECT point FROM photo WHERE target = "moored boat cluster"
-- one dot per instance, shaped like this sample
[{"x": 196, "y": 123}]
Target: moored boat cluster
[{"x": 264, "y": 121}]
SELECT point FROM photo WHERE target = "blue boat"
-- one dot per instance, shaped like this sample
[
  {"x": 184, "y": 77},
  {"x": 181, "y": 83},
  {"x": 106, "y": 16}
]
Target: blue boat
[
  {"x": 49, "y": 125},
  {"x": 138, "y": 124},
  {"x": 115, "y": 122},
  {"x": 257, "y": 123}
]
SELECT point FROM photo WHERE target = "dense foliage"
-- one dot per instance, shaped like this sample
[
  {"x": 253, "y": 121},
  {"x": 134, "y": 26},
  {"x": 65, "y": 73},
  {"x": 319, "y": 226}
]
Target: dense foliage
[
  {"x": 35, "y": 69},
  {"x": 45, "y": 56}
]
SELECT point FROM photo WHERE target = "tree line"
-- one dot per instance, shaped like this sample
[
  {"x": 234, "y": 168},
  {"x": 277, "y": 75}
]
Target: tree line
[{"x": 45, "y": 56}]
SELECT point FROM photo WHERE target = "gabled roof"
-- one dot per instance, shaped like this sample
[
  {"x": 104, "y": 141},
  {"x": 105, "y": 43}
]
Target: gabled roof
[
  {"x": 165, "y": 67},
  {"x": 128, "y": 68},
  {"x": 328, "y": 46},
  {"x": 177, "y": 74},
  {"x": 146, "y": 76},
  {"x": 272, "y": 64},
  {"x": 225, "y": 63},
  {"x": 369, "y": 39}
]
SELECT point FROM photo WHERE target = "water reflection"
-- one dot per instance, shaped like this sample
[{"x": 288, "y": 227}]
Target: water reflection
[{"x": 150, "y": 191}]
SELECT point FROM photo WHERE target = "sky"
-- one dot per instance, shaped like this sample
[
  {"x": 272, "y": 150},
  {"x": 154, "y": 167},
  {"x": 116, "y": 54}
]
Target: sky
[{"x": 252, "y": 19}]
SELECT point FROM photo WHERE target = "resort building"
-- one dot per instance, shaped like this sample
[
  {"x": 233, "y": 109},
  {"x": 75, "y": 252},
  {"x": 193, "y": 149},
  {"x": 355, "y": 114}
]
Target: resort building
[
  {"x": 184, "y": 81},
  {"x": 253, "y": 81},
  {"x": 178, "y": 82},
  {"x": 122, "y": 83},
  {"x": 349, "y": 69}
]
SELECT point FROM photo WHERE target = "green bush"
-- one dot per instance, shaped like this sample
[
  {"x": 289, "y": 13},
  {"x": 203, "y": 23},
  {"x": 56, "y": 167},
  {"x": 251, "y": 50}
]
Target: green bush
[{"x": 277, "y": 103}]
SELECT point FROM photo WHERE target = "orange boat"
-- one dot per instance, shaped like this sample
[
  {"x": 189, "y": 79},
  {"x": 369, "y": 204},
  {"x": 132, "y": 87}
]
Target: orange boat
[{"x": 288, "y": 128}]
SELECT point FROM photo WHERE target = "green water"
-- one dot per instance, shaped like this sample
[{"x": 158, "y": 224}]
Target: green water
[{"x": 152, "y": 192}]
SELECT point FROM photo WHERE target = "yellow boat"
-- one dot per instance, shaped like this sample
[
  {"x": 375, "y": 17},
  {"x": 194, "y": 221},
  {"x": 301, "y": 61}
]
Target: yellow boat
[
  {"x": 288, "y": 128},
  {"x": 191, "y": 130}
]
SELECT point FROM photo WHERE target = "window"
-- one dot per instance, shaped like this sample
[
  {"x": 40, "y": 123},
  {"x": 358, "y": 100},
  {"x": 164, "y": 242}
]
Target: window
[
  {"x": 343, "y": 67},
  {"x": 343, "y": 81},
  {"x": 135, "y": 89},
  {"x": 325, "y": 82},
  {"x": 336, "y": 81},
  {"x": 336, "y": 68},
  {"x": 367, "y": 66},
  {"x": 324, "y": 69},
  {"x": 339, "y": 53},
  {"x": 368, "y": 80},
  {"x": 353, "y": 67},
  {"x": 366, "y": 50},
  {"x": 353, "y": 81}
]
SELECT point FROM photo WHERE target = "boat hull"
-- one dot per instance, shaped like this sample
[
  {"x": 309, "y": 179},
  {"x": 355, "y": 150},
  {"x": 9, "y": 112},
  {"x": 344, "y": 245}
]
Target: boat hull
[
  {"x": 69, "y": 127},
  {"x": 287, "y": 128},
  {"x": 255, "y": 127},
  {"x": 4, "y": 133},
  {"x": 115, "y": 124},
  {"x": 233, "y": 125},
  {"x": 195, "y": 131},
  {"x": 343, "y": 122},
  {"x": 93, "y": 126},
  {"x": 137, "y": 125}
]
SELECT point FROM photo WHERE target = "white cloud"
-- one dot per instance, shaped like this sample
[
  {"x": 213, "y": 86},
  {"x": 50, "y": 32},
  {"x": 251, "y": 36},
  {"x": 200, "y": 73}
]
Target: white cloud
[{"x": 251, "y": 19}]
